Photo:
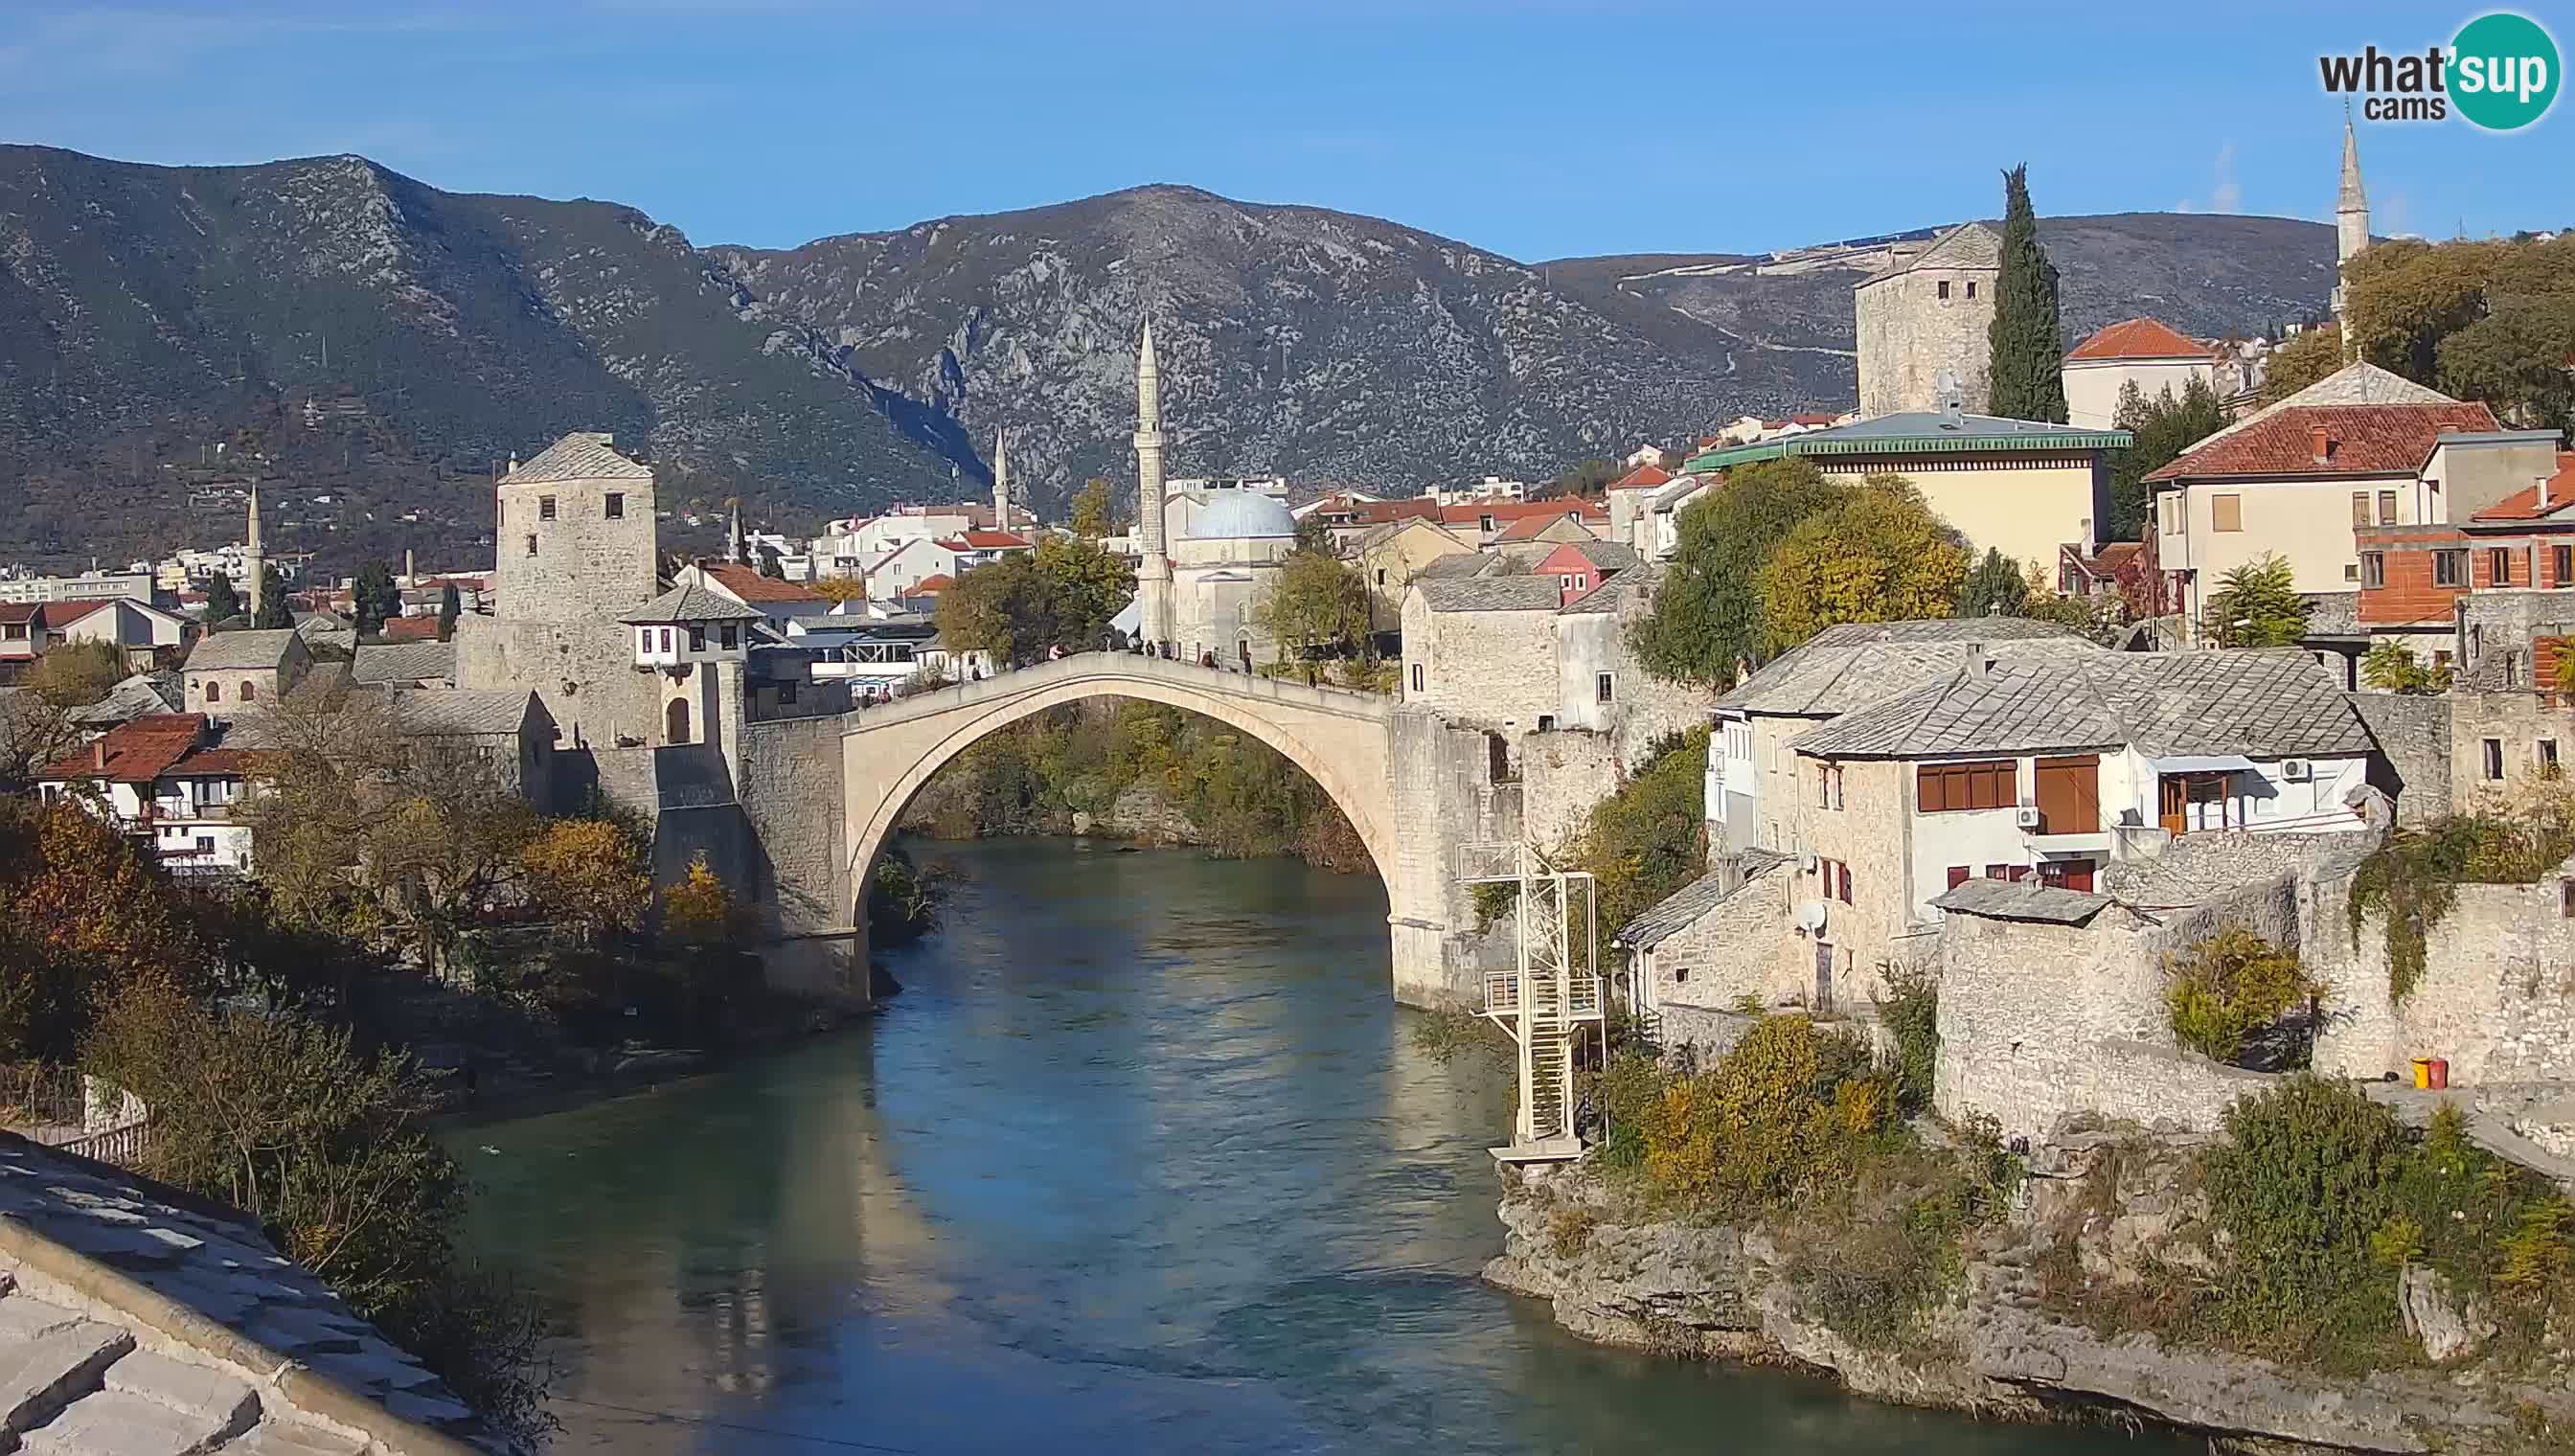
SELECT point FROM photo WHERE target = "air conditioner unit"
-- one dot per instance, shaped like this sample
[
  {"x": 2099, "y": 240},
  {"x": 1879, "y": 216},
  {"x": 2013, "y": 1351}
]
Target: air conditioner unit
[
  {"x": 1805, "y": 864},
  {"x": 2297, "y": 770},
  {"x": 2026, "y": 816}
]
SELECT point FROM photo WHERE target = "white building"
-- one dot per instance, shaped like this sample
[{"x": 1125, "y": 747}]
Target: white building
[
  {"x": 160, "y": 778},
  {"x": 2142, "y": 351}
]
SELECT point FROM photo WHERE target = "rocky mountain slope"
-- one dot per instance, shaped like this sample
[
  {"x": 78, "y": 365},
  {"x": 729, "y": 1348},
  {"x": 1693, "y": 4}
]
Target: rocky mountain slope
[{"x": 148, "y": 313}]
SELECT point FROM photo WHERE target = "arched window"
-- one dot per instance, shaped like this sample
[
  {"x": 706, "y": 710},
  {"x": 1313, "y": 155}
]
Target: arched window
[
  {"x": 214, "y": 691},
  {"x": 249, "y": 690},
  {"x": 675, "y": 720}
]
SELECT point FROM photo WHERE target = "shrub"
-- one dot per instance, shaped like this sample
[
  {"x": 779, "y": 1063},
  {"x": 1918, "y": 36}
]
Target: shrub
[
  {"x": 1911, "y": 1012},
  {"x": 2413, "y": 878},
  {"x": 2228, "y": 999},
  {"x": 1786, "y": 1109},
  {"x": 903, "y": 902}
]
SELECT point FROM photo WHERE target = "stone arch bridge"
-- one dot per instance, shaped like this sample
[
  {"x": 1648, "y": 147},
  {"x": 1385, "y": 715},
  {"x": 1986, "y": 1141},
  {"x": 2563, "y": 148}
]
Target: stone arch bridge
[{"x": 1374, "y": 758}]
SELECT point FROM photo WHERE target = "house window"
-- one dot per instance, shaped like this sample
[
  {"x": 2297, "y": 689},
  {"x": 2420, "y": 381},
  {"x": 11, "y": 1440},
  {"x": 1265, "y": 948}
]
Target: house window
[
  {"x": 697, "y": 636},
  {"x": 2387, "y": 507},
  {"x": 1971, "y": 288},
  {"x": 545, "y": 508},
  {"x": 665, "y": 638},
  {"x": 2493, "y": 761},
  {"x": 1843, "y": 871},
  {"x": 1416, "y": 676},
  {"x": 1946, "y": 787},
  {"x": 2449, "y": 569},
  {"x": 2351, "y": 570},
  {"x": 532, "y": 543},
  {"x": 2499, "y": 566},
  {"x": 1380, "y": 575},
  {"x": 1828, "y": 786},
  {"x": 1944, "y": 290},
  {"x": 250, "y": 690},
  {"x": 2008, "y": 874},
  {"x": 1565, "y": 584},
  {"x": 2226, "y": 513},
  {"x": 2561, "y": 566},
  {"x": 1958, "y": 875},
  {"x": 214, "y": 691},
  {"x": 1583, "y": 580},
  {"x": 2359, "y": 509},
  {"x": 1546, "y": 722},
  {"x": 2548, "y": 757},
  {"x": 786, "y": 693},
  {"x": 2373, "y": 569},
  {"x": 1484, "y": 522},
  {"x": 644, "y": 640},
  {"x": 1606, "y": 685},
  {"x": 616, "y": 507},
  {"x": 205, "y": 844},
  {"x": 732, "y": 636}
]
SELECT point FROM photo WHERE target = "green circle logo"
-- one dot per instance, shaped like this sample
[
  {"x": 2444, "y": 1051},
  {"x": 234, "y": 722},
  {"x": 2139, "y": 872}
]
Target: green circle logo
[{"x": 2503, "y": 71}]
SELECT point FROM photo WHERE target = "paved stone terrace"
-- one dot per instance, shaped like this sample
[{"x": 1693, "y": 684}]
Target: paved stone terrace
[{"x": 136, "y": 1321}]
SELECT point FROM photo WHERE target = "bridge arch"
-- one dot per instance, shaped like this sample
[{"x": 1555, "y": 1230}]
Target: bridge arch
[{"x": 1335, "y": 736}]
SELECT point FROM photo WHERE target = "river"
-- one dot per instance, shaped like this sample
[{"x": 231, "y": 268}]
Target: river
[{"x": 1142, "y": 1159}]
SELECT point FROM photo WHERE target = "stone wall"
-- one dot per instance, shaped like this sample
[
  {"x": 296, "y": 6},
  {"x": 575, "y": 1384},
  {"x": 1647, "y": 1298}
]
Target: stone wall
[
  {"x": 1491, "y": 669},
  {"x": 1702, "y": 1035},
  {"x": 2520, "y": 723},
  {"x": 2496, "y": 997},
  {"x": 1730, "y": 952},
  {"x": 1563, "y": 775},
  {"x": 2414, "y": 737},
  {"x": 787, "y": 775},
  {"x": 1909, "y": 334},
  {"x": 583, "y": 671},
  {"x": 1444, "y": 796}
]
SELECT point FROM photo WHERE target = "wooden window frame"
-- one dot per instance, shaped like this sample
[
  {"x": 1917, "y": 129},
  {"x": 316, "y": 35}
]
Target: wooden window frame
[
  {"x": 2450, "y": 567},
  {"x": 2387, "y": 507},
  {"x": 2499, "y": 566},
  {"x": 2373, "y": 569},
  {"x": 1995, "y": 782},
  {"x": 2561, "y": 566},
  {"x": 2493, "y": 761},
  {"x": 2359, "y": 509}
]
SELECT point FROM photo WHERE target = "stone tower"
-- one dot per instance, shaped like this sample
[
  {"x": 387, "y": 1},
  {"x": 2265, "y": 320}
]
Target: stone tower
[
  {"x": 2351, "y": 226},
  {"x": 574, "y": 556},
  {"x": 1001, "y": 480},
  {"x": 255, "y": 561},
  {"x": 1928, "y": 310},
  {"x": 1153, "y": 573}
]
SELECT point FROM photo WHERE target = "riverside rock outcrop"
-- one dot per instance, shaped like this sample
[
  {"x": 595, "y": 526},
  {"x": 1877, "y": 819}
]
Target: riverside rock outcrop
[{"x": 2096, "y": 1216}]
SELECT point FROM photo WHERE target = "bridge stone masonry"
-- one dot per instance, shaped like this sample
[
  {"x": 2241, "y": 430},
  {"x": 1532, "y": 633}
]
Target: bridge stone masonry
[{"x": 1409, "y": 783}]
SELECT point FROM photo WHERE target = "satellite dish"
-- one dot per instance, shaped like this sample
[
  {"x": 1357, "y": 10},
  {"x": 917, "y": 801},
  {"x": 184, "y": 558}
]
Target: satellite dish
[
  {"x": 1947, "y": 383},
  {"x": 1810, "y": 918}
]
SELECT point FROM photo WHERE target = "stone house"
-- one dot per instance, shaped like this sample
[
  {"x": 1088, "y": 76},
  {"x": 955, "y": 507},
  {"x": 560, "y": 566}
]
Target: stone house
[
  {"x": 1602, "y": 687},
  {"x": 2147, "y": 353},
  {"x": 2021, "y": 487},
  {"x": 2300, "y": 480},
  {"x": 229, "y": 670},
  {"x": 1924, "y": 317},
  {"x": 1481, "y": 651},
  {"x": 506, "y": 729},
  {"x": 1391, "y": 555}
]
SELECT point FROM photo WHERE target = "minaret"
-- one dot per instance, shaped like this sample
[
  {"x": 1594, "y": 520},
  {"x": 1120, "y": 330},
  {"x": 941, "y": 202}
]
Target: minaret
[
  {"x": 733, "y": 536},
  {"x": 1001, "y": 480},
  {"x": 254, "y": 562},
  {"x": 1153, "y": 573},
  {"x": 2351, "y": 228}
]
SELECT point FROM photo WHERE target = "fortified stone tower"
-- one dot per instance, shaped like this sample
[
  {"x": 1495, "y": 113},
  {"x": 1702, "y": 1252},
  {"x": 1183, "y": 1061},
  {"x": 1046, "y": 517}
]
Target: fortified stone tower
[
  {"x": 2351, "y": 227},
  {"x": 574, "y": 554},
  {"x": 1927, "y": 311},
  {"x": 1154, "y": 574}
]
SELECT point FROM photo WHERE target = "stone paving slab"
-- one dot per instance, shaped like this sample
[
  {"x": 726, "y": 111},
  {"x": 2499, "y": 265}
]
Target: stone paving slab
[
  {"x": 198, "y": 1390},
  {"x": 115, "y": 1423},
  {"x": 278, "y": 1438},
  {"x": 39, "y": 1377}
]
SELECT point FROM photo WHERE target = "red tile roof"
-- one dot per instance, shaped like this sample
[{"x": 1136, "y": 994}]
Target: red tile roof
[
  {"x": 2558, "y": 493},
  {"x": 2116, "y": 553},
  {"x": 932, "y": 584},
  {"x": 137, "y": 751},
  {"x": 2140, "y": 339},
  {"x": 1500, "y": 511},
  {"x": 410, "y": 629},
  {"x": 1812, "y": 419},
  {"x": 1644, "y": 478},
  {"x": 64, "y": 614},
  {"x": 2361, "y": 440},
  {"x": 20, "y": 610},
  {"x": 1378, "y": 512},
  {"x": 212, "y": 762},
  {"x": 984, "y": 540},
  {"x": 749, "y": 585}
]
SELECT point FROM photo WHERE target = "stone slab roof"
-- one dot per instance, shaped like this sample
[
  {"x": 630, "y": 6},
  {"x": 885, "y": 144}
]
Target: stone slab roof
[
  {"x": 580, "y": 455},
  {"x": 1694, "y": 899},
  {"x": 1847, "y": 666},
  {"x": 2024, "y": 900},
  {"x": 1966, "y": 246},
  {"x": 144, "y": 693},
  {"x": 2270, "y": 703},
  {"x": 688, "y": 602},
  {"x": 135, "y": 1318},
  {"x": 429, "y": 713},
  {"x": 408, "y": 661},
  {"x": 1490, "y": 594},
  {"x": 231, "y": 652}
]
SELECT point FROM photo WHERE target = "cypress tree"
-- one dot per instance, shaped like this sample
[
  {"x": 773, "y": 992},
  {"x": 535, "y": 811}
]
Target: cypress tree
[{"x": 2028, "y": 366}]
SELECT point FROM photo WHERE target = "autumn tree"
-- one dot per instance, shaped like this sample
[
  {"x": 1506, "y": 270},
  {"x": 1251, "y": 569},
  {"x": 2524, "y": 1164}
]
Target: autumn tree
[
  {"x": 1709, "y": 613},
  {"x": 376, "y": 597},
  {"x": 2256, "y": 604},
  {"x": 2393, "y": 667},
  {"x": 593, "y": 874},
  {"x": 2483, "y": 319},
  {"x": 1062, "y": 594},
  {"x": 1095, "y": 510},
  {"x": 700, "y": 909},
  {"x": 1879, "y": 555},
  {"x": 77, "y": 673},
  {"x": 1315, "y": 604},
  {"x": 2301, "y": 360},
  {"x": 81, "y": 914},
  {"x": 2027, "y": 368},
  {"x": 839, "y": 589}
]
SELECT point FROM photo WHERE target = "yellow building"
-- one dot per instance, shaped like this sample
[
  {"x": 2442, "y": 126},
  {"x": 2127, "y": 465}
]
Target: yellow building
[{"x": 1390, "y": 555}]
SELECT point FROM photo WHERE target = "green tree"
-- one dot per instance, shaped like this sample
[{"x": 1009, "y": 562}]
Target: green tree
[
  {"x": 1644, "y": 842},
  {"x": 1588, "y": 477},
  {"x": 1095, "y": 510},
  {"x": 376, "y": 596},
  {"x": 1995, "y": 589},
  {"x": 2484, "y": 319},
  {"x": 1063, "y": 594},
  {"x": 222, "y": 604},
  {"x": 2165, "y": 428},
  {"x": 2514, "y": 358},
  {"x": 2391, "y": 666},
  {"x": 2257, "y": 605},
  {"x": 1315, "y": 604},
  {"x": 769, "y": 566},
  {"x": 77, "y": 673},
  {"x": 273, "y": 610},
  {"x": 450, "y": 607},
  {"x": 1707, "y": 615},
  {"x": 2026, "y": 369},
  {"x": 2301, "y": 360},
  {"x": 1880, "y": 556}
]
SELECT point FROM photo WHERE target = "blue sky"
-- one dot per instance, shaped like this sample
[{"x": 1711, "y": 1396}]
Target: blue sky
[{"x": 1538, "y": 130}]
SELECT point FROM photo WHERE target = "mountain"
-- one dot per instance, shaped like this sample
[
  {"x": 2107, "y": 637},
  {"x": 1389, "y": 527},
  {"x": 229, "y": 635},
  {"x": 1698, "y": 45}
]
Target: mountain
[{"x": 385, "y": 343}]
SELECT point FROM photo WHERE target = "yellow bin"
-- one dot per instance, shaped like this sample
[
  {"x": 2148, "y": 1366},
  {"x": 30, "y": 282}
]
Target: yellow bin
[{"x": 2423, "y": 1073}]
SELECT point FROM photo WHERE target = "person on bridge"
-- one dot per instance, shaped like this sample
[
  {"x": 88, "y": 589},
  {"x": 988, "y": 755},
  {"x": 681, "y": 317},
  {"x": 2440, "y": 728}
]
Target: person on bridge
[{"x": 1055, "y": 654}]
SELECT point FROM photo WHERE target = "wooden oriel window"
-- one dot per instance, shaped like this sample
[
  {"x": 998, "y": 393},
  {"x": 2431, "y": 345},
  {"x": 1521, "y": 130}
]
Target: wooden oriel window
[{"x": 1946, "y": 787}]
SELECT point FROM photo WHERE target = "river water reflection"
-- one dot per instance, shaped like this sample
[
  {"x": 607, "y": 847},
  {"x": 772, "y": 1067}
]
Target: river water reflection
[{"x": 1142, "y": 1159}]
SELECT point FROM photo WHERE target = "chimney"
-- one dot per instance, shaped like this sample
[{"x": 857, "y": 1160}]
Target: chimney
[
  {"x": 2323, "y": 441},
  {"x": 97, "y": 753},
  {"x": 1978, "y": 664}
]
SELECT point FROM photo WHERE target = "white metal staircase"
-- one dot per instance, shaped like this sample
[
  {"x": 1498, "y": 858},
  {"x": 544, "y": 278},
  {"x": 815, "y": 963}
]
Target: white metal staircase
[{"x": 1547, "y": 1001}]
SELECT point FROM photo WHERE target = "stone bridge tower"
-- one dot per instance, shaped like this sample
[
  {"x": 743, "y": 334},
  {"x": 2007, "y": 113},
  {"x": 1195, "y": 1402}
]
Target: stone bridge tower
[{"x": 1929, "y": 311}]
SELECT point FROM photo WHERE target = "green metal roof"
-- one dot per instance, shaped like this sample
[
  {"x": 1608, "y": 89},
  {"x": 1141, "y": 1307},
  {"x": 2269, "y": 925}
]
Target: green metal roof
[{"x": 1870, "y": 436}]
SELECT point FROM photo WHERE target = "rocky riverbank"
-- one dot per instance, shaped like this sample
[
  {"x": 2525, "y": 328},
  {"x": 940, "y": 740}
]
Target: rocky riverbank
[{"x": 2049, "y": 1319}]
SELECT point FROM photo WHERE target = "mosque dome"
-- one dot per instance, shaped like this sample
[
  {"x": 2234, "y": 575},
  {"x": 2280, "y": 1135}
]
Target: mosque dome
[{"x": 1234, "y": 514}]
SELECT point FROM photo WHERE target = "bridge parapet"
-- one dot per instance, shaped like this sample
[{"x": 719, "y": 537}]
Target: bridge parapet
[{"x": 1107, "y": 667}]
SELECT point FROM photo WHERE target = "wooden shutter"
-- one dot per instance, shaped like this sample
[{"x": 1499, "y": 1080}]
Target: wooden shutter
[{"x": 2226, "y": 513}]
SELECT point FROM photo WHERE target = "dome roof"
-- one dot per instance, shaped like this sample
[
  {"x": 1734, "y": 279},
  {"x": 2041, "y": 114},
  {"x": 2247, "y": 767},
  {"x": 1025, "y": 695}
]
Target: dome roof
[{"x": 1232, "y": 514}]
